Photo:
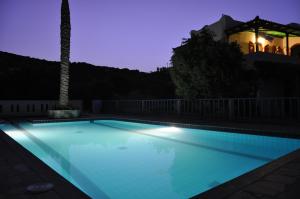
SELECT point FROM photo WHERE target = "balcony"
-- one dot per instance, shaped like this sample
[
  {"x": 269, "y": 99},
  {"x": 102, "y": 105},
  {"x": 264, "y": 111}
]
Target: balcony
[{"x": 271, "y": 57}]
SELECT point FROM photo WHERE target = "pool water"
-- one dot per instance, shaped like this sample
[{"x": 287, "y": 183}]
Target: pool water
[{"x": 118, "y": 159}]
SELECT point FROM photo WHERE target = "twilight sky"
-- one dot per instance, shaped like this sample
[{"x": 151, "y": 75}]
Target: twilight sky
[{"x": 137, "y": 34}]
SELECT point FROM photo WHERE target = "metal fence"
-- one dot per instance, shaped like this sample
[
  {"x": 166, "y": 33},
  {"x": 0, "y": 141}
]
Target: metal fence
[
  {"x": 31, "y": 107},
  {"x": 222, "y": 108}
]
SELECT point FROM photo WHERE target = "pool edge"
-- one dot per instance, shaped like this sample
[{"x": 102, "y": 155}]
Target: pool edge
[
  {"x": 237, "y": 184},
  {"x": 227, "y": 129},
  {"x": 62, "y": 187},
  {"x": 229, "y": 188}
]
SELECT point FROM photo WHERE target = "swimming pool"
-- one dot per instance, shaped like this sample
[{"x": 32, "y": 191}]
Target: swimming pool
[{"x": 119, "y": 159}]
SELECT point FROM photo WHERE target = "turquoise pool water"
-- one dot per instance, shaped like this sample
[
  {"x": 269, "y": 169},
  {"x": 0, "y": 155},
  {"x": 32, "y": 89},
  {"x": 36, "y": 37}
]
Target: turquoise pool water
[{"x": 117, "y": 159}]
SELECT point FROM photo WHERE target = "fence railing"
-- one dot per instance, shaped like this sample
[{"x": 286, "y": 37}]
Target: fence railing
[
  {"x": 222, "y": 108},
  {"x": 31, "y": 107}
]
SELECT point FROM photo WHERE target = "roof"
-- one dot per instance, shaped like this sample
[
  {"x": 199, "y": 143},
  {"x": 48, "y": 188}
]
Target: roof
[
  {"x": 219, "y": 27},
  {"x": 269, "y": 27}
]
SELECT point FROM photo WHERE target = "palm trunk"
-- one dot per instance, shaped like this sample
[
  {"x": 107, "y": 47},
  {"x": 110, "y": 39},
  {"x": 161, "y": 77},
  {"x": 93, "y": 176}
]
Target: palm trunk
[{"x": 65, "y": 34}]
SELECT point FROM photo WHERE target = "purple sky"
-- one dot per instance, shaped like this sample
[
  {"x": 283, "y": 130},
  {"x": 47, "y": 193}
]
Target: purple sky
[{"x": 138, "y": 34}]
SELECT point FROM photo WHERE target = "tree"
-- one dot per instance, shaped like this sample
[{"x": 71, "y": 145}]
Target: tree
[
  {"x": 203, "y": 67},
  {"x": 65, "y": 34}
]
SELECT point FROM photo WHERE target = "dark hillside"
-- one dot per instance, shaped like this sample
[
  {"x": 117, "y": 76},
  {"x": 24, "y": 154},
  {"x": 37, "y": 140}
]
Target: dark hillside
[{"x": 29, "y": 78}]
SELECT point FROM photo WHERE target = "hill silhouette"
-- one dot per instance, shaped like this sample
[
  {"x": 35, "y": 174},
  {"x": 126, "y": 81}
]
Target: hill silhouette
[{"x": 30, "y": 78}]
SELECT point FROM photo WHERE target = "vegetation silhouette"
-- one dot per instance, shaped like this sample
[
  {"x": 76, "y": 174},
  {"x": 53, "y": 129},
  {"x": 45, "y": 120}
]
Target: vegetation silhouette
[
  {"x": 203, "y": 67},
  {"x": 29, "y": 78}
]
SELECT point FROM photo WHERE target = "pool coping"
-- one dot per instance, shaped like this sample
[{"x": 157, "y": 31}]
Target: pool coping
[
  {"x": 234, "y": 185},
  {"x": 62, "y": 187},
  {"x": 179, "y": 124},
  {"x": 226, "y": 189}
]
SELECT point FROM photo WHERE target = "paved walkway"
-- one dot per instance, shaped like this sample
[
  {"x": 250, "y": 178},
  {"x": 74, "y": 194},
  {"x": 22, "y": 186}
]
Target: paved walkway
[
  {"x": 19, "y": 169},
  {"x": 279, "y": 179}
]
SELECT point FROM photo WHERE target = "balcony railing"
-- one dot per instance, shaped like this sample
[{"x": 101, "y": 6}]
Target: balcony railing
[{"x": 271, "y": 57}]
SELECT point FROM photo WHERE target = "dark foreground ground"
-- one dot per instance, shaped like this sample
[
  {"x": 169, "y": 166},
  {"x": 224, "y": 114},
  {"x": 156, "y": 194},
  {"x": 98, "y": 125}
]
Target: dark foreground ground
[{"x": 278, "y": 179}]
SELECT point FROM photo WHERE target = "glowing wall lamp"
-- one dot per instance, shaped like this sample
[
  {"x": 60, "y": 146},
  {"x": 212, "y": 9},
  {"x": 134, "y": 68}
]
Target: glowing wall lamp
[{"x": 261, "y": 40}]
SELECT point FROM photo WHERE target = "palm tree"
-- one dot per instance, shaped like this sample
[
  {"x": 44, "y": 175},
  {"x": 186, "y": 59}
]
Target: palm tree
[{"x": 65, "y": 34}]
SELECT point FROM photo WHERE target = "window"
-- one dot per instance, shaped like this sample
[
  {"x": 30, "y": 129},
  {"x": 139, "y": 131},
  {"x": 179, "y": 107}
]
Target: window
[
  {"x": 28, "y": 108},
  {"x": 18, "y": 108},
  {"x": 32, "y": 108},
  {"x": 42, "y": 107},
  {"x": 11, "y": 108}
]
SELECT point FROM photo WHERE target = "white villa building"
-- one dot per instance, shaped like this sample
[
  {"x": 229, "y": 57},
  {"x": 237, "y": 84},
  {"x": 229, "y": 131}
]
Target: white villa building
[{"x": 262, "y": 42}]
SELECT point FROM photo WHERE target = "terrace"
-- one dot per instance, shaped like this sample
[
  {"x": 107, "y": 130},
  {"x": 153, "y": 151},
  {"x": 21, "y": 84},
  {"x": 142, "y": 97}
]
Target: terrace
[{"x": 260, "y": 35}]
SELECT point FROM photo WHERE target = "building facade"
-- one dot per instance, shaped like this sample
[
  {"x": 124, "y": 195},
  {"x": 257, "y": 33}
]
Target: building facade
[{"x": 265, "y": 44}]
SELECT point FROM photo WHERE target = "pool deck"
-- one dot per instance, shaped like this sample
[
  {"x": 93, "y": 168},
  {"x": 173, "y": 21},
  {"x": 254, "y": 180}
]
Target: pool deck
[
  {"x": 278, "y": 179},
  {"x": 19, "y": 169}
]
